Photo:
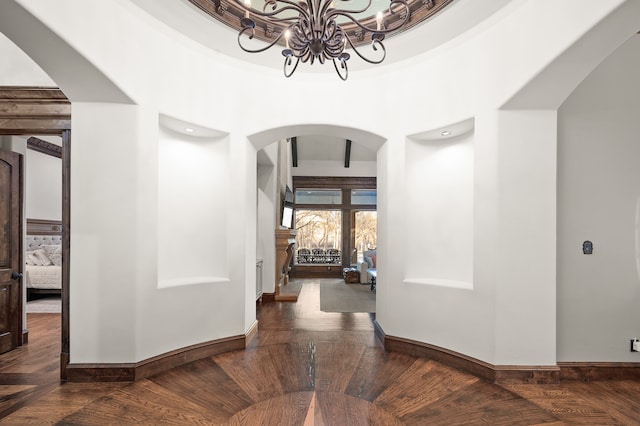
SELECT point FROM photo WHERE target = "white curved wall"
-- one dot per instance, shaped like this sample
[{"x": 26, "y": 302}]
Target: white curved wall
[
  {"x": 119, "y": 315},
  {"x": 599, "y": 201}
]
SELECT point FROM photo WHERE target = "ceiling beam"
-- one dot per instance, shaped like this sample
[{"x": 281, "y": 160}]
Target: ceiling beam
[
  {"x": 44, "y": 147},
  {"x": 294, "y": 151},
  {"x": 347, "y": 154}
]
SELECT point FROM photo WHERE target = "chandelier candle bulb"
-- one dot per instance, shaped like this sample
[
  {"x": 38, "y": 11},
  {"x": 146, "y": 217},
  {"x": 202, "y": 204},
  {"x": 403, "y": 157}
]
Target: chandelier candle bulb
[
  {"x": 379, "y": 20},
  {"x": 247, "y": 4},
  {"x": 287, "y": 35}
]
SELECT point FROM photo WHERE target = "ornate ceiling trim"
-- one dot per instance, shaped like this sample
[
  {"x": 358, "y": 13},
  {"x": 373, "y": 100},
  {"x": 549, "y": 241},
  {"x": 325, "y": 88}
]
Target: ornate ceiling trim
[{"x": 229, "y": 13}]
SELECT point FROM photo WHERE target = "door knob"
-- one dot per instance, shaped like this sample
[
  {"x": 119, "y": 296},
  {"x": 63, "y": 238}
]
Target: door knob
[{"x": 16, "y": 275}]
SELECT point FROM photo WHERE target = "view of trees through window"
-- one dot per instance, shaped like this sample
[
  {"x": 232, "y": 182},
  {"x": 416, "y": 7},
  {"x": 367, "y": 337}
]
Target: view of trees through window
[
  {"x": 319, "y": 234},
  {"x": 366, "y": 234},
  {"x": 333, "y": 217},
  {"x": 319, "y": 229}
]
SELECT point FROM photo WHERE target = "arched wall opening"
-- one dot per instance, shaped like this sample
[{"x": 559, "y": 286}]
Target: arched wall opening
[{"x": 274, "y": 172}]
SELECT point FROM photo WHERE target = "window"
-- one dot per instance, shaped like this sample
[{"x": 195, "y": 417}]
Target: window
[
  {"x": 364, "y": 196},
  {"x": 335, "y": 220},
  {"x": 319, "y": 196},
  {"x": 366, "y": 231},
  {"x": 319, "y": 236}
]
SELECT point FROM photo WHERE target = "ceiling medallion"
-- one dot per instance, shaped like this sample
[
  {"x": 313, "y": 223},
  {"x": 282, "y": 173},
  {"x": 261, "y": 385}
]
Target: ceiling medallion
[{"x": 319, "y": 30}]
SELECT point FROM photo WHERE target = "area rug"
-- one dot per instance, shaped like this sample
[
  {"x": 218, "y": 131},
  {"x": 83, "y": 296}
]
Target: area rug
[
  {"x": 342, "y": 297},
  {"x": 293, "y": 288},
  {"x": 47, "y": 305}
]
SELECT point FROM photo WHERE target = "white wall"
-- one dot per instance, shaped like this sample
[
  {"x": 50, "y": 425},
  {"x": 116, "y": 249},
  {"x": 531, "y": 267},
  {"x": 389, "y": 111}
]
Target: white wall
[
  {"x": 42, "y": 179},
  {"x": 43, "y": 182},
  {"x": 119, "y": 314},
  {"x": 20, "y": 70},
  {"x": 599, "y": 200},
  {"x": 268, "y": 205}
]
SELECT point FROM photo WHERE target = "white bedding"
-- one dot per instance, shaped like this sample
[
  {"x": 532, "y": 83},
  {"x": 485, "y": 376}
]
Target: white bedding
[{"x": 44, "y": 277}]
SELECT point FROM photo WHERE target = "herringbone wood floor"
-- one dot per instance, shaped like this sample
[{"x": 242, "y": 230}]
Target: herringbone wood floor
[{"x": 305, "y": 367}]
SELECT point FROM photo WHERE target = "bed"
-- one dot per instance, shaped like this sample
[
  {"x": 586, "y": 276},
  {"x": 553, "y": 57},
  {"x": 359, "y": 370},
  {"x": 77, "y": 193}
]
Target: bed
[{"x": 43, "y": 260}]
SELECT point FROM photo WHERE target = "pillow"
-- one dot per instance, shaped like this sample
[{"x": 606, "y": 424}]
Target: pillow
[
  {"x": 54, "y": 252},
  {"x": 39, "y": 258},
  {"x": 369, "y": 261},
  {"x": 31, "y": 259}
]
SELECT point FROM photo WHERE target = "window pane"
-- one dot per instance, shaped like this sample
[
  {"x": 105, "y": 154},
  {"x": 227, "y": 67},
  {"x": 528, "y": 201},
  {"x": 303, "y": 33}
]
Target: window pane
[
  {"x": 319, "y": 236},
  {"x": 318, "y": 196},
  {"x": 366, "y": 232},
  {"x": 364, "y": 196}
]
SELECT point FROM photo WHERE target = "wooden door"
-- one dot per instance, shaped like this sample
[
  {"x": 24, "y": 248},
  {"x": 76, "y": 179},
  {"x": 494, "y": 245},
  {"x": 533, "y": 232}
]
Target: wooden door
[{"x": 10, "y": 250}]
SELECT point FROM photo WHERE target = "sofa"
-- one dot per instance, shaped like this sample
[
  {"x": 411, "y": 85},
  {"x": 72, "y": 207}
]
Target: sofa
[{"x": 367, "y": 267}]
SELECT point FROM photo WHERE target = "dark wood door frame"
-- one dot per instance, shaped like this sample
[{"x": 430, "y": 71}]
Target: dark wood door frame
[{"x": 45, "y": 111}]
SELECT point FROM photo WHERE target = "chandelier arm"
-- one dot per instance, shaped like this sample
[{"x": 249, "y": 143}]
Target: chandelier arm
[
  {"x": 373, "y": 45},
  {"x": 343, "y": 64},
  {"x": 287, "y": 61},
  {"x": 312, "y": 8},
  {"x": 274, "y": 15},
  {"x": 364, "y": 9},
  {"x": 330, "y": 29},
  {"x": 291, "y": 5},
  {"x": 327, "y": 5},
  {"x": 347, "y": 14},
  {"x": 334, "y": 45},
  {"x": 374, "y": 30},
  {"x": 251, "y": 29}
]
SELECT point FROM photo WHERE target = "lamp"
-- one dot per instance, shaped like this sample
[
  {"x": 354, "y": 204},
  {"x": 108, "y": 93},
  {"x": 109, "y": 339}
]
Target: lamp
[{"x": 313, "y": 32}]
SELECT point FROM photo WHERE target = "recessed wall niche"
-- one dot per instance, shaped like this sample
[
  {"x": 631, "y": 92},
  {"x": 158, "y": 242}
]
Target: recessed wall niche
[
  {"x": 440, "y": 176},
  {"x": 193, "y": 184}
]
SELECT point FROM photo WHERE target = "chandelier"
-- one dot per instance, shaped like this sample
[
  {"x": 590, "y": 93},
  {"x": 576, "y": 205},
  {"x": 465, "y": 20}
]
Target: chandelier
[
  {"x": 313, "y": 30},
  {"x": 319, "y": 30}
]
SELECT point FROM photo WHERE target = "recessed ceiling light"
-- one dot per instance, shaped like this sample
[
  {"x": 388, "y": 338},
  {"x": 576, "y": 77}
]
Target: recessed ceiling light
[
  {"x": 446, "y": 132},
  {"x": 189, "y": 130}
]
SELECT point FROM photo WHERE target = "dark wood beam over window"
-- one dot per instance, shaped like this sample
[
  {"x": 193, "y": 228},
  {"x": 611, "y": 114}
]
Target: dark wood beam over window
[
  {"x": 347, "y": 154},
  {"x": 294, "y": 151}
]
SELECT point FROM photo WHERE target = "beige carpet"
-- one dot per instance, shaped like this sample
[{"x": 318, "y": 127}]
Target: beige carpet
[
  {"x": 342, "y": 297},
  {"x": 47, "y": 305}
]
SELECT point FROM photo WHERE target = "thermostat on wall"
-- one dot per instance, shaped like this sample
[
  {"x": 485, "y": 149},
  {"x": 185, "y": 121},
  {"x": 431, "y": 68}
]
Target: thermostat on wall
[{"x": 587, "y": 247}]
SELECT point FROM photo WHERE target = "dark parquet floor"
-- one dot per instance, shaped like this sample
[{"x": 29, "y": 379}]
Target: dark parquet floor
[{"x": 305, "y": 367}]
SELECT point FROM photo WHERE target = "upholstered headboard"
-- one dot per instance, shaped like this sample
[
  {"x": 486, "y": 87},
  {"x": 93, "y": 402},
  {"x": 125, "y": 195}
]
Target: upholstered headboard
[
  {"x": 43, "y": 233},
  {"x": 35, "y": 241}
]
